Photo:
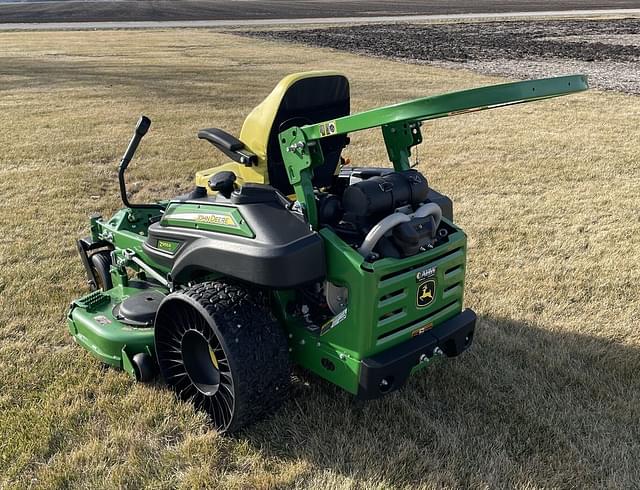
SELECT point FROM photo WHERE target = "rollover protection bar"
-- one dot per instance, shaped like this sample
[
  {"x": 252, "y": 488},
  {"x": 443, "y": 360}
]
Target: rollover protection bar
[
  {"x": 450, "y": 104},
  {"x": 401, "y": 123}
]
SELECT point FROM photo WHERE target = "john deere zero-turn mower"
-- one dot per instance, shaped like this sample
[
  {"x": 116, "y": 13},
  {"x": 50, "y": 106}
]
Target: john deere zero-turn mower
[{"x": 288, "y": 255}]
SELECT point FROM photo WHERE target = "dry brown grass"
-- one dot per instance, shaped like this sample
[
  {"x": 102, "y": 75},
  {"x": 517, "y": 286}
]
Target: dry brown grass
[{"x": 548, "y": 397}]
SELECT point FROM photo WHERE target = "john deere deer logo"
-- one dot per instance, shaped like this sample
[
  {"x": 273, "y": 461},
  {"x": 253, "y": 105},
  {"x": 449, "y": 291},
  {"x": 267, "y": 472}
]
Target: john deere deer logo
[{"x": 425, "y": 293}]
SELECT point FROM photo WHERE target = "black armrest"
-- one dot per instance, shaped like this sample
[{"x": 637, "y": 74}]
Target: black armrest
[
  {"x": 221, "y": 139},
  {"x": 229, "y": 145}
]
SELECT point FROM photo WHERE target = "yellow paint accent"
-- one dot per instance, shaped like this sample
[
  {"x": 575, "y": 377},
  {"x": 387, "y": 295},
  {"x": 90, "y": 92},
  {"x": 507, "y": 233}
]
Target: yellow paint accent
[
  {"x": 255, "y": 134},
  {"x": 426, "y": 294},
  {"x": 214, "y": 359}
]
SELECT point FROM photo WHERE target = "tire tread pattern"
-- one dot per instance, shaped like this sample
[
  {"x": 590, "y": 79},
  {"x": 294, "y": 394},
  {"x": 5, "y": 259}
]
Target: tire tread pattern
[{"x": 254, "y": 342}]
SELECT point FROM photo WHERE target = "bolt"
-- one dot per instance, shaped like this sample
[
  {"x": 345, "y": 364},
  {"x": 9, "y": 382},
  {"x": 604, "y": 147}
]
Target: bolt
[
  {"x": 296, "y": 146},
  {"x": 302, "y": 342},
  {"x": 318, "y": 344},
  {"x": 290, "y": 335},
  {"x": 384, "y": 382},
  {"x": 423, "y": 358},
  {"x": 342, "y": 356},
  {"x": 438, "y": 351}
]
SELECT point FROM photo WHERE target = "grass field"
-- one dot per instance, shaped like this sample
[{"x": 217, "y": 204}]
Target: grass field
[{"x": 549, "y": 396}]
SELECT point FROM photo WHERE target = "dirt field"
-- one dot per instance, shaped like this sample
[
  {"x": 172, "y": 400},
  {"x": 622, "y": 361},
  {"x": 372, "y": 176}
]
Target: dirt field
[
  {"x": 132, "y": 10},
  {"x": 549, "y": 396},
  {"x": 608, "y": 51}
]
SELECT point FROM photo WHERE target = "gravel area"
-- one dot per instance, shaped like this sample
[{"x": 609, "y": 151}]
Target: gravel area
[{"x": 607, "y": 51}]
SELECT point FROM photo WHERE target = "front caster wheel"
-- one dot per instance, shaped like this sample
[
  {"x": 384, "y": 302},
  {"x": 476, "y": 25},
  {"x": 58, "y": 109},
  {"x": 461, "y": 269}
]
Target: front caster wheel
[
  {"x": 219, "y": 346},
  {"x": 100, "y": 263},
  {"x": 143, "y": 367}
]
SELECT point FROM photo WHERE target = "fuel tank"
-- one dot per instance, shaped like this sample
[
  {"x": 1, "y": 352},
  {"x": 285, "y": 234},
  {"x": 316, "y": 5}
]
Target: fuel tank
[{"x": 252, "y": 236}]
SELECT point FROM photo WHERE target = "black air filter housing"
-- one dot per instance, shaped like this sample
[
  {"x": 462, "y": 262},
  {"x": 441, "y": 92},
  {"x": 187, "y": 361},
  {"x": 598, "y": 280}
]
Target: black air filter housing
[{"x": 383, "y": 194}]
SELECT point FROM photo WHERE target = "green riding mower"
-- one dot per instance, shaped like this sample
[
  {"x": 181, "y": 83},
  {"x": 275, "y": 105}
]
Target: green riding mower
[{"x": 288, "y": 255}]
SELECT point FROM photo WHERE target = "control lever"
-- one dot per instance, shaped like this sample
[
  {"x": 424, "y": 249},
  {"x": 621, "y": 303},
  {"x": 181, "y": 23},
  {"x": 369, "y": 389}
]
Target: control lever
[{"x": 143, "y": 125}]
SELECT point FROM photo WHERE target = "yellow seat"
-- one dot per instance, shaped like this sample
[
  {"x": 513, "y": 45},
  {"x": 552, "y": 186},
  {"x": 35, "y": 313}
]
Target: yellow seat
[{"x": 298, "y": 99}]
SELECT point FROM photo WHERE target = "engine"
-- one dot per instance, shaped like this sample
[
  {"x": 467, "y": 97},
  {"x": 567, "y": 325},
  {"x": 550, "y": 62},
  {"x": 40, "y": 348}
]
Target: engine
[
  {"x": 380, "y": 213},
  {"x": 383, "y": 213}
]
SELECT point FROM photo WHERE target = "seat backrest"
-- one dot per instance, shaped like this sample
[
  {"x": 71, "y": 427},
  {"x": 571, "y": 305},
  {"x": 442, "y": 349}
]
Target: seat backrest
[{"x": 299, "y": 99}]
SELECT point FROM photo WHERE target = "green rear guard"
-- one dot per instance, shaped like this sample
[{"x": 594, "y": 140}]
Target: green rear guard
[{"x": 383, "y": 309}]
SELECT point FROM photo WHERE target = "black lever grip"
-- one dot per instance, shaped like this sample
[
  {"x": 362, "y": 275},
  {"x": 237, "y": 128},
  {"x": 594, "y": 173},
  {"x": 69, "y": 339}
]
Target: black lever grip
[{"x": 143, "y": 125}]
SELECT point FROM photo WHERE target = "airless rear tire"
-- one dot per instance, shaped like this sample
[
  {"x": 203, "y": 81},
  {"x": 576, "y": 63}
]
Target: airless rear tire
[{"x": 219, "y": 346}]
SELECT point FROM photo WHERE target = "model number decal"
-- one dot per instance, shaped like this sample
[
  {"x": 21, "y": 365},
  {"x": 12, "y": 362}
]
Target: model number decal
[{"x": 167, "y": 245}]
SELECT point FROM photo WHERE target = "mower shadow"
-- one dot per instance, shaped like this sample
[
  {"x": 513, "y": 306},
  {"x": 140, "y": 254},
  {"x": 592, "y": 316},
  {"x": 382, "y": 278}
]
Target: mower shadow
[{"x": 523, "y": 401}]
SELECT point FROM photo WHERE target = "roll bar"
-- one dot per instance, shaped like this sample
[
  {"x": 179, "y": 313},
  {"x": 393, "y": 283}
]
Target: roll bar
[
  {"x": 450, "y": 104},
  {"x": 401, "y": 123}
]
